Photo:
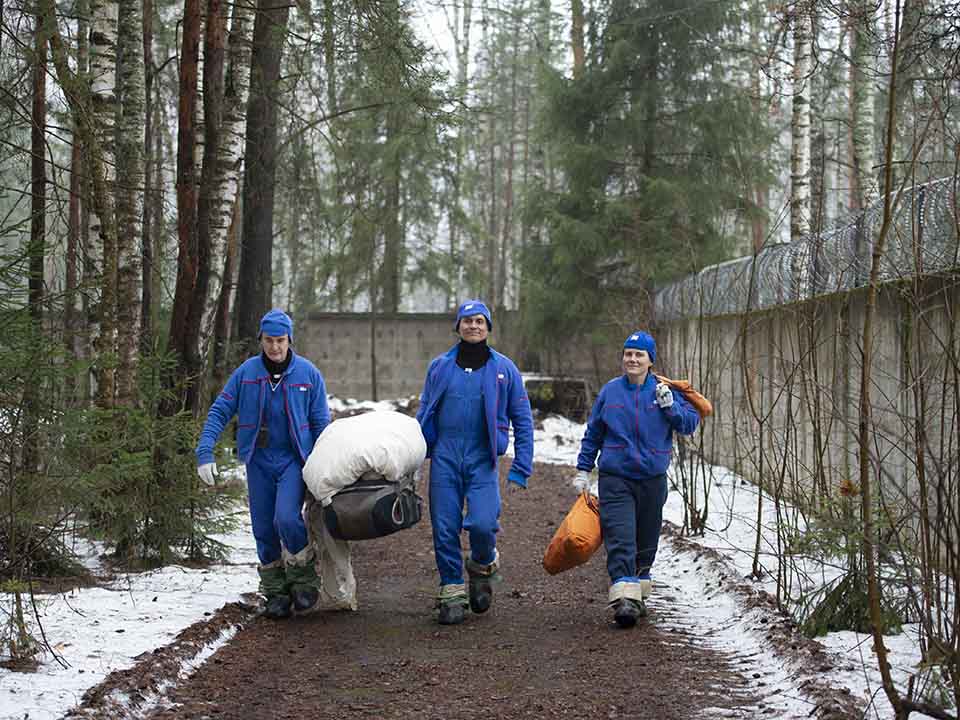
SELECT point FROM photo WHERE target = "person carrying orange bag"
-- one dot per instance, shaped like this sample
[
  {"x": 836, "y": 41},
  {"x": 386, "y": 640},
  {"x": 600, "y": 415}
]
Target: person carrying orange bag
[{"x": 631, "y": 427}]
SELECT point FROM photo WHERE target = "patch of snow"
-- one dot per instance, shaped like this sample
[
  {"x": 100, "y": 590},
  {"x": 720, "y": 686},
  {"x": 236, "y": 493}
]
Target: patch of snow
[
  {"x": 98, "y": 630},
  {"x": 340, "y": 405}
]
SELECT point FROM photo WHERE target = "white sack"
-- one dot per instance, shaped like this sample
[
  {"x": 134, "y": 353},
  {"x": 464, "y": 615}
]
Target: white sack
[
  {"x": 338, "y": 586},
  {"x": 385, "y": 443}
]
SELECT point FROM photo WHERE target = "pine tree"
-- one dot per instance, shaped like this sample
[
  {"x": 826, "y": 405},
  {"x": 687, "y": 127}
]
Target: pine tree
[{"x": 656, "y": 142}]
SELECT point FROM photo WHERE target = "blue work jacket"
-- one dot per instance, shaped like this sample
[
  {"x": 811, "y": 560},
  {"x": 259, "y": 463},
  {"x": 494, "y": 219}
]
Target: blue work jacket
[
  {"x": 632, "y": 434},
  {"x": 245, "y": 394},
  {"x": 504, "y": 401}
]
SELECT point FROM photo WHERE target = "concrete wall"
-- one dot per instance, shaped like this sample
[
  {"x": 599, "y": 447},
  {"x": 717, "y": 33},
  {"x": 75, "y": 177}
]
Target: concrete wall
[
  {"x": 785, "y": 384},
  {"x": 339, "y": 344}
]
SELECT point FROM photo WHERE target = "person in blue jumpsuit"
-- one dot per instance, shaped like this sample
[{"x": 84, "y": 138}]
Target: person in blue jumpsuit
[
  {"x": 631, "y": 425},
  {"x": 471, "y": 396},
  {"x": 280, "y": 400}
]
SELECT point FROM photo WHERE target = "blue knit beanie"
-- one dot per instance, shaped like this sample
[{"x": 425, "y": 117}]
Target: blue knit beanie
[
  {"x": 640, "y": 340},
  {"x": 470, "y": 308},
  {"x": 276, "y": 323}
]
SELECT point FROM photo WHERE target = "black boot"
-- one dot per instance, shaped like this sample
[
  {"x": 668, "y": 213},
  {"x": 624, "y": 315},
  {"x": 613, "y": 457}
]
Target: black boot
[
  {"x": 481, "y": 593},
  {"x": 305, "y": 599},
  {"x": 626, "y": 612},
  {"x": 278, "y": 607},
  {"x": 451, "y": 613},
  {"x": 480, "y": 581}
]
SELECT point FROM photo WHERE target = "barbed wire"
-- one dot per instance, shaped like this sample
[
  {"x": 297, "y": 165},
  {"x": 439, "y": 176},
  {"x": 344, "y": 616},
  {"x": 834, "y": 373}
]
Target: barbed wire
[{"x": 922, "y": 240}]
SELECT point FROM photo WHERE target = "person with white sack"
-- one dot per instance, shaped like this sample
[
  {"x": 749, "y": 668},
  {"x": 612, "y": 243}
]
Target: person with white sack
[
  {"x": 280, "y": 400},
  {"x": 631, "y": 426},
  {"x": 360, "y": 461}
]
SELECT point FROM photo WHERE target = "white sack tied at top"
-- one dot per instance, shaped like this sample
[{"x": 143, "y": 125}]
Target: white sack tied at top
[{"x": 384, "y": 442}]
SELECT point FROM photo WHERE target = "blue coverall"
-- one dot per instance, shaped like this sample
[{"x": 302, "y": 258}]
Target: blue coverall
[
  {"x": 275, "y": 486},
  {"x": 294, "y": 414},
  {"x": 466, "y": 418},
  {"x": 634, "y": 437},
  {"x": 461, "y": 471}
]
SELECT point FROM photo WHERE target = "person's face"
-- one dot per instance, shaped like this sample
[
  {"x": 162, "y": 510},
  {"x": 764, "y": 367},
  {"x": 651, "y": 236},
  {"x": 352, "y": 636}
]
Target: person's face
[
  {"x": 275, "y": 347},
  {"x": 473, "y": 329},
  {"x": 636, "y": 362}
]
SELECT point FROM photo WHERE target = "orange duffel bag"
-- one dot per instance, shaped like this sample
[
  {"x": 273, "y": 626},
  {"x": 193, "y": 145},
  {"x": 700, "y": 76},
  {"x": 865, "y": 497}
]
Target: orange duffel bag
[{"x": 577, "y": 538}]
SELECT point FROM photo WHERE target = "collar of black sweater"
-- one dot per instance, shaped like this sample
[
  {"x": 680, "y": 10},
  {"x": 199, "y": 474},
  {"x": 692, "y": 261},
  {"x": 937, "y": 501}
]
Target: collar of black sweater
[{"x": 472, "y": 356}]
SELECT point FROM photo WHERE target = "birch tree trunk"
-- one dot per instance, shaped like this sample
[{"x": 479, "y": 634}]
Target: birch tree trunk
[
  {"x": 863, "y": 186},
  {"x": 103, "y": 109},
  {"x": 800, "y": 122},
  {"x": 229, "y": 161},
  {"x": 761, "y": 189},
  {"x": 130, "y": 199},
  {"x": 210, "y": 193},
  {"x": 222, "y": 324},
  {"x": 73, "y": 317}
]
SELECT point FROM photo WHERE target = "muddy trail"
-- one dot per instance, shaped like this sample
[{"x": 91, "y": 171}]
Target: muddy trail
[{"x": 547, "y": 648}]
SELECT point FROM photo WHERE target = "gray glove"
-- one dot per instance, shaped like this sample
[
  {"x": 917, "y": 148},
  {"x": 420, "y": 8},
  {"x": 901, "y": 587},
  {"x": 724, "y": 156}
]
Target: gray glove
[
  {"x": 584, "y": 483},
  {"x": 664, "y": 395},
  {"x": 208, "y": 473}
]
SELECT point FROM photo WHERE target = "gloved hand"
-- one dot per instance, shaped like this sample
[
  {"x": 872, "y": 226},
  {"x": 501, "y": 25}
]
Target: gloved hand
[
  {"x": 664, "y": 395},
  {"x": 582, "y": 481},
  {"x": 208, "y": 473}
]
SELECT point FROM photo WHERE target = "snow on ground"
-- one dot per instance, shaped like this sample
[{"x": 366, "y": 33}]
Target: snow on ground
[
  {"x": 338, "y": 405},
  {"x": 98, "y": 630}
]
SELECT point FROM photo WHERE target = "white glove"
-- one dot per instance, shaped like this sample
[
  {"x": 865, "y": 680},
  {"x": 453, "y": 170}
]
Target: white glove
[
  {"x": 582, "y": 482},
  {"x": 208, "y": 473},
  {"x": 664, "y": 395}
]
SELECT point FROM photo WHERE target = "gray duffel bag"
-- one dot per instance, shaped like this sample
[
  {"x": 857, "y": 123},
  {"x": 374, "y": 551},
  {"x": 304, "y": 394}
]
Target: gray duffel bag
[{"x": 372, "y": 508}]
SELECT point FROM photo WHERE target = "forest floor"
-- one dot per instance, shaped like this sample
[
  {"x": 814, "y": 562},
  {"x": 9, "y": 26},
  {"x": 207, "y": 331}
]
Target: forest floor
[{"x": 547, "y": 649}]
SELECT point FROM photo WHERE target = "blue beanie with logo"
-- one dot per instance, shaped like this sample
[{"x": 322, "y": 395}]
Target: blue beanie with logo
[
  {"x": 470, "y": 308},
  {"x": 276, "y": 323},
  {"x": 640, "y": 340}
]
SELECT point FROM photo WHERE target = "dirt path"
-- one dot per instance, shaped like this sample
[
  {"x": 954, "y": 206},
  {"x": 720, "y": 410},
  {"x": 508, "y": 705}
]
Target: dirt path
[{"x": 546, "y": 649}]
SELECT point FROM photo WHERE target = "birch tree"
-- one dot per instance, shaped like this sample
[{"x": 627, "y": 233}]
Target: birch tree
[
  {"x": 800, "y": 122},
  {"x": 229, "y": 161},
  {"x": 863, "y": 186},
  {"x": 130, "y": 193},
  {"x": 102, "y": 159}
]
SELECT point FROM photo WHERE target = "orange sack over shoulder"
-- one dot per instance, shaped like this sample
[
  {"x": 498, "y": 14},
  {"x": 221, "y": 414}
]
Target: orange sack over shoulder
[
  {"x": 703, "y": 406},
  {"x": 578, "y": 537}
]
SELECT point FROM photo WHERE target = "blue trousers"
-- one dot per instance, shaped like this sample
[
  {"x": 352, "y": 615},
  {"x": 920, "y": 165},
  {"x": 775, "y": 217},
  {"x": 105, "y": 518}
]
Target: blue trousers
[
  {"x": 631, "y": 515},
  {"x": 454, "y": 481},
  {"x": 275, "y": 489}
]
